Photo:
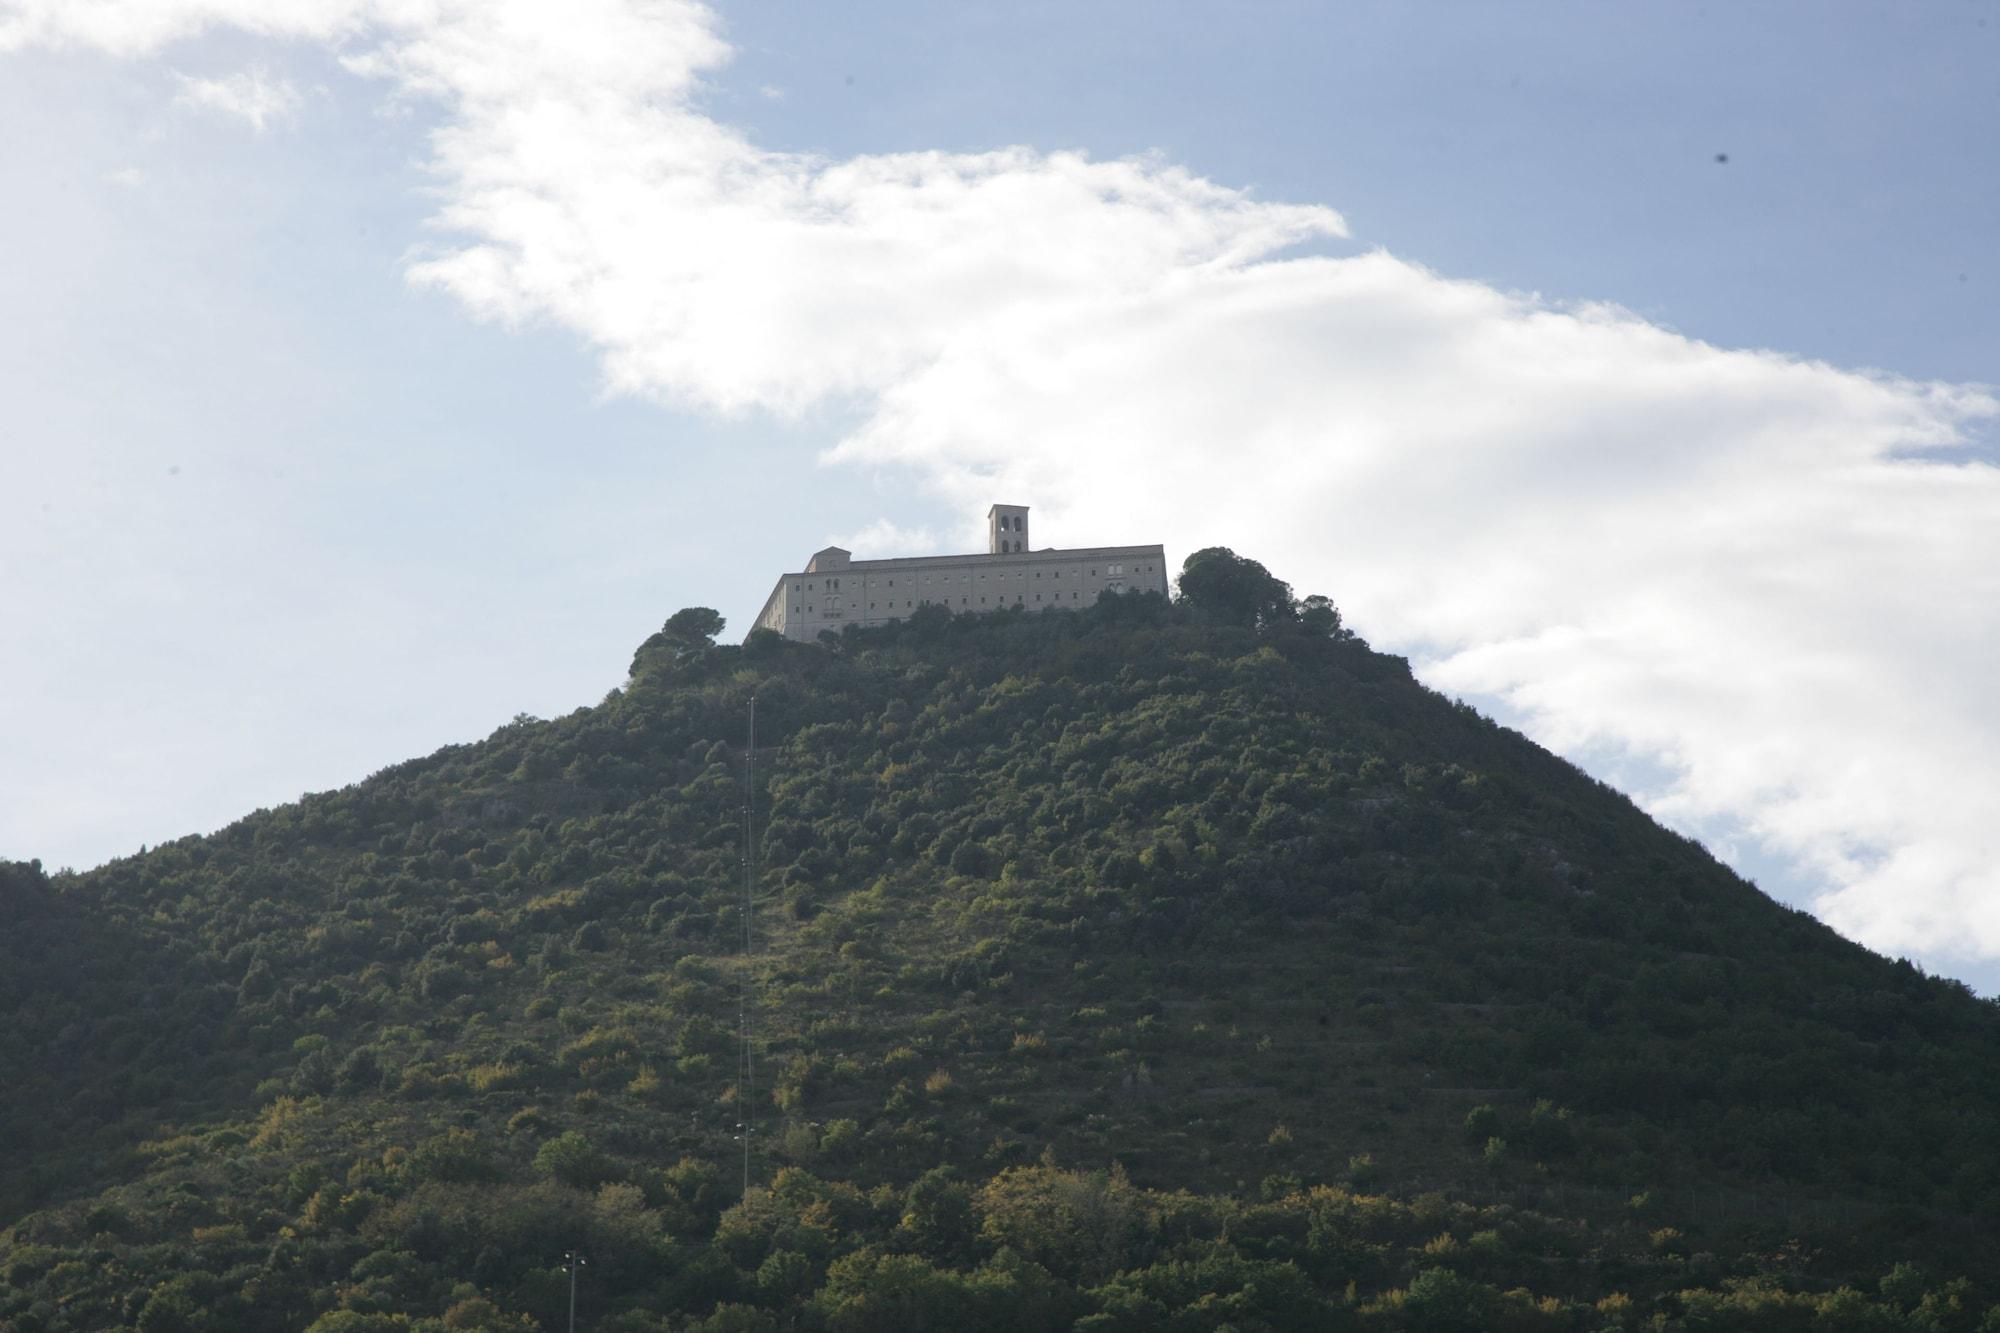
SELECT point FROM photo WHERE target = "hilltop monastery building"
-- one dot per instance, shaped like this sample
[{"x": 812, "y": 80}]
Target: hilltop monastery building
[{"x": 835, "y": 590}]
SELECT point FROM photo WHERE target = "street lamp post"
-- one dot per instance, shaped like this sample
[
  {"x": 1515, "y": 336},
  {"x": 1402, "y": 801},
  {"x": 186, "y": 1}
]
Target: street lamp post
[{"x": 572, "y": 1261}]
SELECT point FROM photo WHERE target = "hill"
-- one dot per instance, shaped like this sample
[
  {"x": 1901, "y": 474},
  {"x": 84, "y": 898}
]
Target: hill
[{"x": 1163, "y": 965}]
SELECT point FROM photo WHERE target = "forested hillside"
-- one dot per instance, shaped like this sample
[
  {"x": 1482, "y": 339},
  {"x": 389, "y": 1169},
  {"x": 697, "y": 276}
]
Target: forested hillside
[{"x": 1165, "y": 965}]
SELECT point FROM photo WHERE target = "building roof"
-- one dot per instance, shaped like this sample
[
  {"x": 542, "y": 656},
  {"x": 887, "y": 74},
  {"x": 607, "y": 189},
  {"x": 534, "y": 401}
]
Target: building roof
[{"x": 918, "y": 561}]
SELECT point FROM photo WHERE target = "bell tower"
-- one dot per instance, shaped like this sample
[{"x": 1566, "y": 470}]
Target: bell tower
[{"x": 1007, "y": 529}]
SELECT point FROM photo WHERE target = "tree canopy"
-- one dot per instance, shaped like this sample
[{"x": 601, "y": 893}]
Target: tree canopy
[
  {"x": 1225, "y": 588},
  {"x": 688, "y": 633}
]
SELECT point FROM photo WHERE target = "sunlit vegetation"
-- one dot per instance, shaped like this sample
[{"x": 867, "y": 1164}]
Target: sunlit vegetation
[{"x": 1179, "y": 966}]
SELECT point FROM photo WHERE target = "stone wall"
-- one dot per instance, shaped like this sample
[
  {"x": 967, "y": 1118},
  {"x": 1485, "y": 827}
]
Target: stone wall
[{"x": 834, "y": 594}]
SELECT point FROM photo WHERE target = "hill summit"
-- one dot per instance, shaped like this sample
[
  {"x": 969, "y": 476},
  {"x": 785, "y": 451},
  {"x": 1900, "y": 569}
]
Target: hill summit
[{"x": 1167, "y": 964}]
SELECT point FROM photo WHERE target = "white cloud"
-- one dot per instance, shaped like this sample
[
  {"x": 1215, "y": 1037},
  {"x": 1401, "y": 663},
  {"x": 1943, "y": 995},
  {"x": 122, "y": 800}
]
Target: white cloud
[
  {"x": 142, "y": 27},
  {"x": 883, "y": 538},
  {"x": 1724, "y": 560},
  {"x": 252, "y": 94}
]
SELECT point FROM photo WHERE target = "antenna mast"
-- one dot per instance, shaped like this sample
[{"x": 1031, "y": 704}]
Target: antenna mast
[{"x": 746, "y": 1082}]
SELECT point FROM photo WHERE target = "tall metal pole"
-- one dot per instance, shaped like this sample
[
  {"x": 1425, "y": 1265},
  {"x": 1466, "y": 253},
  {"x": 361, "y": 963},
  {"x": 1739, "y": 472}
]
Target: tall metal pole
[
  {"x": 573, "y": 1261},
  {"x": 749, "y": 1081}
]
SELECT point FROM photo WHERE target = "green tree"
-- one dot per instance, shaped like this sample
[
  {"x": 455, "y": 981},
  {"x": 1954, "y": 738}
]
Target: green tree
[
  {"x": 1225, "y": 588},
  {"x": 688, "y": 633},
  {"x": 1440, "y": 1301},
  {"x": 1318, "y": 615},
  {"x": 574, "y": 1160},
  {"x": 937, "y": 1215},
  {"x": 1085, "y": 1226},
  {"x": 872, "y": 1292},
  {"x": 1482, "y": 1122}
]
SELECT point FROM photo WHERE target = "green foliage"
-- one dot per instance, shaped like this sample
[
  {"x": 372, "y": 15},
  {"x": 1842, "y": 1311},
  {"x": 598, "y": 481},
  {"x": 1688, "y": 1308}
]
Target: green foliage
[
  {"x": 1482, "y": 1122},
  {"x": 1084, "y": 1226},
  {"x": 1228, "y": 589},
  {"x": 1205, "y": 901},
  {"x": 1219, "y": 1290},
  {"x": 574, "y": 1160},
  {"x": 688, "y": 633},
  {"x": 1441, "y": 1301},
  {"x": 457, "y": 1155}
]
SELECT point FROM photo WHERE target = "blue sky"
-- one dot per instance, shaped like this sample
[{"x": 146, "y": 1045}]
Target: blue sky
[
  {"x": 1572, "y": 154},
  {"x": 373, "y": 378}
]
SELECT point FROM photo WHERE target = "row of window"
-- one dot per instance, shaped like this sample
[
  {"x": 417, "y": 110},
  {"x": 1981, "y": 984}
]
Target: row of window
[
  {"x": 1020, "y": 599},
  {"x": 1076, "y": 571}
]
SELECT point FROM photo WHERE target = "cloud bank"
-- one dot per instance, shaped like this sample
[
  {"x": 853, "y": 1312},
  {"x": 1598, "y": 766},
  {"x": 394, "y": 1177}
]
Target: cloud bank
[{"x": 1733, "y": 563}]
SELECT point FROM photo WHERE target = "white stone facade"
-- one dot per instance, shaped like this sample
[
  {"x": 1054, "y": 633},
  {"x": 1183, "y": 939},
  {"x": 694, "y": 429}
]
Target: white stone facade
[{"x": 835, "y": 590}]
